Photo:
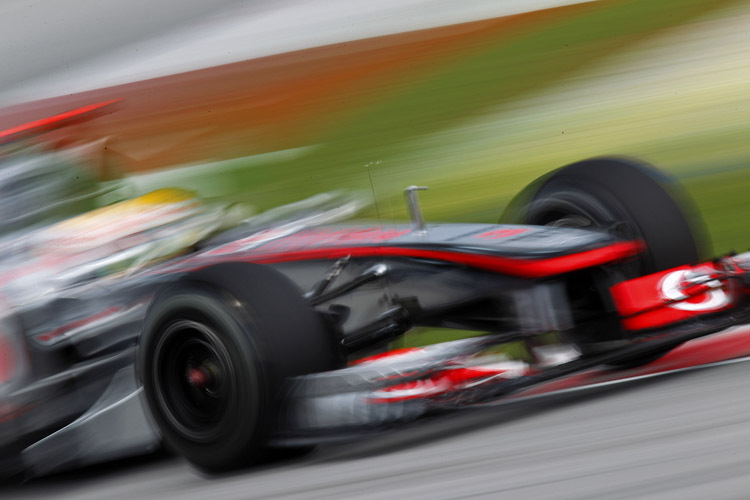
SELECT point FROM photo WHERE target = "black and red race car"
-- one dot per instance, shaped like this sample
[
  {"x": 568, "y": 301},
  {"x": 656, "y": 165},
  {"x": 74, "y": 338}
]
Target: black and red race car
[{"x": 149, "y": 322}]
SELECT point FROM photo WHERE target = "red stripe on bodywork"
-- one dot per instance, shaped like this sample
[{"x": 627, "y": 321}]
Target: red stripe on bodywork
[
  {"x": 51, "y": 122},
  {"x": 525, "y": 268},
  {"x": 383, "y": 355}
]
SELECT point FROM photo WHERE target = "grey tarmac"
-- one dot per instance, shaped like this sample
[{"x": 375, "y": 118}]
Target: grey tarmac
[{"x": 683, "y": 435}]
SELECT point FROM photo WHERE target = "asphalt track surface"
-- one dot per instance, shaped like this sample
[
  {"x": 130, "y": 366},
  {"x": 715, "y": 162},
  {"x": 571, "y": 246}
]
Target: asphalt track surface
[{"x": 683, "y": 434}]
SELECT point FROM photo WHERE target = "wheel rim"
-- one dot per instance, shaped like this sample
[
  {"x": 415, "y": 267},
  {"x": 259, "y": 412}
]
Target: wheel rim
[{"x": 195, "y": 380}]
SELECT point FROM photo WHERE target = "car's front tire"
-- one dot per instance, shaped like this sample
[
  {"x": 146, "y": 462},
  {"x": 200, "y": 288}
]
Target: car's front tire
[
  {"x": 216, "y": 350},
  {"x": 625, "y": 197}
]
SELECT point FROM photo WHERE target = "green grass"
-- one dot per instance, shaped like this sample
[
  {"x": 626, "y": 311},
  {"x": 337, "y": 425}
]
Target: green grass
[
  {"x": 396, "y": 128},
  {"x": 451, "y": 125},
  {"x": 723, "y": 202}
]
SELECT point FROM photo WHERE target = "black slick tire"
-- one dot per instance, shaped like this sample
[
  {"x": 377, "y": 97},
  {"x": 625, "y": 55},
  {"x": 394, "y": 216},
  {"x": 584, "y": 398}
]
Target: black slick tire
[
  {"x": 216, "y": 350},
  {"x": 625, "y": 197}
]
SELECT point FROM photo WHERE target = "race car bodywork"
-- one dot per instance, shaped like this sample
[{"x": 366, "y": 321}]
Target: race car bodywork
[{"x": 222, "y": 344}]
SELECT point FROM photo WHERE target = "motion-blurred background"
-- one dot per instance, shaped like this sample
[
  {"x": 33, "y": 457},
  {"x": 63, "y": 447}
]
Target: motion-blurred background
[{"x": 269, "y": 102}]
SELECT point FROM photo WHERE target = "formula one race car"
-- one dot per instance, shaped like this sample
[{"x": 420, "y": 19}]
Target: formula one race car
[{"x": 225, "y": 344}]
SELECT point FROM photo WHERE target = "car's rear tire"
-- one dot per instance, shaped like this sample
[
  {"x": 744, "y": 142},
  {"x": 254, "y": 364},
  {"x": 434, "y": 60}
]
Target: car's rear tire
[
  {"x": 625, "y": 197},
  {"x": 216, "y": 349}
]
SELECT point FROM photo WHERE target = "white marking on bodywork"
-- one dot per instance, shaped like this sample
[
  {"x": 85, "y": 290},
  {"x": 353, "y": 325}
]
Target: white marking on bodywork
[{"x": 670, "y": 289}]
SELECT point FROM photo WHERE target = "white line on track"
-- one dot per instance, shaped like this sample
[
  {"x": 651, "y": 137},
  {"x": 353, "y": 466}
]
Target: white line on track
[{"x": 623, "y": 380}]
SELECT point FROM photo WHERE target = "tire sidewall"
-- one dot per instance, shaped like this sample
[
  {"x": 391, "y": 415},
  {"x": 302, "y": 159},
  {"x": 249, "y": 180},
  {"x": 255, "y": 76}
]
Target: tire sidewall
[
  {"x": 248, "y": 409},
  {"x": 649, "y": 201},
  {"x": 273, "y": 334}
]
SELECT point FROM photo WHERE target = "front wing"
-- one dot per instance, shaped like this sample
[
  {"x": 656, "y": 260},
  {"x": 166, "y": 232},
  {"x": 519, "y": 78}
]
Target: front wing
[{"x": 658, "y": 312}]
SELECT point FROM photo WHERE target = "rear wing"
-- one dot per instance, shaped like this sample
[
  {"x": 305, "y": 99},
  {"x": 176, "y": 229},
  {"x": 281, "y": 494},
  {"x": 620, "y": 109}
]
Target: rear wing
[{"x": 36, "y": 127}]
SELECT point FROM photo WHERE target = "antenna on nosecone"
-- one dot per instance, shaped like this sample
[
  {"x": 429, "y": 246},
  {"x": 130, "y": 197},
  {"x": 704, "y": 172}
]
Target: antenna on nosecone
[
  {"x": 369, "y": 166},
  {"x": 415, "y": 210}
]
